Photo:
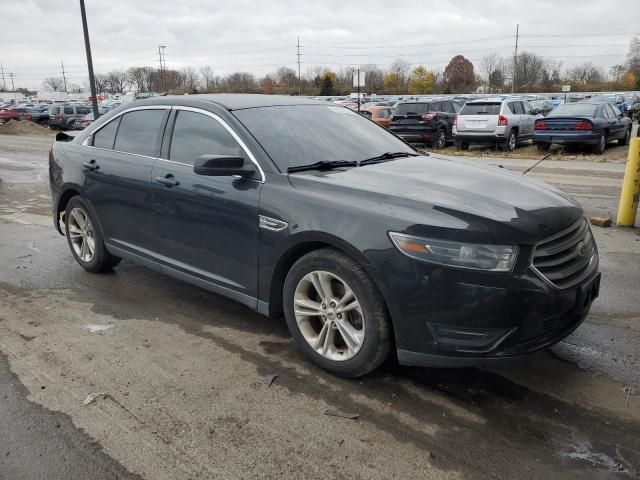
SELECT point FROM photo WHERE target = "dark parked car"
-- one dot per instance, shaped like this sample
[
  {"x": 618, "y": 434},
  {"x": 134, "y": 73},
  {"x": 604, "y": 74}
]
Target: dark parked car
[
  {"x": 542, "y": 106},
  {"x": 427, "y": 123},
  {"x": 66, "y": 116},
  {"x": 583, "y": 123},
  {"x": 296, "y": 207},
  {"x": 35, "y": 115}
]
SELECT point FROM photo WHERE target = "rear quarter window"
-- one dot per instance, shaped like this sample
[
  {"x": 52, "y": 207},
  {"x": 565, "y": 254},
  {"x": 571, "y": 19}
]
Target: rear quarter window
[
  {"x": 480, "y": 109},
  {"x": 54, "y": 110},
  {"x": 68, "y": 110}
]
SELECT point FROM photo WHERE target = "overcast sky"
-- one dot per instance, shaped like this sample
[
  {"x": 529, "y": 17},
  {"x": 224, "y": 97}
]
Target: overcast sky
[{"x": 258, "y": 36}]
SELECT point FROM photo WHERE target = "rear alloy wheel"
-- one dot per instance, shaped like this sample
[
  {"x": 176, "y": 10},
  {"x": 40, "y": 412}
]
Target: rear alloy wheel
[
  {"x": 71, "y": 125},
  {"x": 85, "y": 240},
  {"x": 441, "y": 139},
  {"x": 625, "y": 140},
  {"x": 335, "y": 314},
  {"x": 601, "y": 145},
  {"x": 512, "y": 141}
]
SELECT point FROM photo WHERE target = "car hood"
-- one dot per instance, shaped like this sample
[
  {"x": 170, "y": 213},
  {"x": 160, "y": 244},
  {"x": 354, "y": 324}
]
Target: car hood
[{"x": 450, "y": 195}]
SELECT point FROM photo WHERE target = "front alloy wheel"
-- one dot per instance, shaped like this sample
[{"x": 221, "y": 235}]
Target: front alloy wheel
[
  {"x": 336, "y": 314},
  {"x": 329, "y": 315}
]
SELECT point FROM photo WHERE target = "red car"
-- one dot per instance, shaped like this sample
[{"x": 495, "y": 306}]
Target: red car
[
  {"x": 379, "y": 114},
  {"x": 11, "y": 114}
]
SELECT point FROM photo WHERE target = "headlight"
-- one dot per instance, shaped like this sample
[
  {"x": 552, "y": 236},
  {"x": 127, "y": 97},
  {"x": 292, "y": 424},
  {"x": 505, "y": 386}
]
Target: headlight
[{"x": 492, "y": 258}]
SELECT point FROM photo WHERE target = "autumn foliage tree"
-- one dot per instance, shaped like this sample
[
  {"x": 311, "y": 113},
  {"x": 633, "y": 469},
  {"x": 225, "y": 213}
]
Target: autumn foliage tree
[
  {"x": 421, "y": 81},
  {"x": 459, "y": 75}
]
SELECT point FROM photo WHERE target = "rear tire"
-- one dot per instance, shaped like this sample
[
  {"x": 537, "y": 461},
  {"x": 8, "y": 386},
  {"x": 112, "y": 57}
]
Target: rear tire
[
  {"x": 440, "y": 140},
  {"x": 602, "y": 144},
  {"x": 84, "y": 238},
  {"x": 367, "y": 327},
  {"x": 511, "y": 142},
  {"x": 71, "y": 125},
  {"x": 625, "y": 140}
]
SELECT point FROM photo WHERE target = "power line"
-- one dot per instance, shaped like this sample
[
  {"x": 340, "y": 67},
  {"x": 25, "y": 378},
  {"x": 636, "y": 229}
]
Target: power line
[
  {"x": 4, "y": 83},
  {"x": 515, "y": 58},
  {"x": 13, "y": 88},
  {"x": 299, "y": 77}
]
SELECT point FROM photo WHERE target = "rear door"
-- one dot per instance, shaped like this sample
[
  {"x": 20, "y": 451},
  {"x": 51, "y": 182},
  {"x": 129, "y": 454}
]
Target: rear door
[
  {"x": 528, "y": 118},
  {"x": 448, "y": 113},
  {"x": 618, "y": 128},
  {"x": 480, "y": 117},
  {"x": 206, "y": 226},
  {"x": 117, "y": 168}
]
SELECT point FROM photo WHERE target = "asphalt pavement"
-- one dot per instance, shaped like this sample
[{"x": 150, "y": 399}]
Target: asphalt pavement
[{"x": 135, "y": 375}]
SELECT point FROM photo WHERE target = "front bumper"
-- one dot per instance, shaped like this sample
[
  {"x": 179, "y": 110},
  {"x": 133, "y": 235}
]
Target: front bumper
[
  {"x": 446, "y": 317},
  {"x": 566, "y": 138}
]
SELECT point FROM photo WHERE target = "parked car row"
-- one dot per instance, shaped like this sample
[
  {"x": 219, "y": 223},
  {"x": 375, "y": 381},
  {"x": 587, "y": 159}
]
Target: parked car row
[{"x": 63, "y": 116}]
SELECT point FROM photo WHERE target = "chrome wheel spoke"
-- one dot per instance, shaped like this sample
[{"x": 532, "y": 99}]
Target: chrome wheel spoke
[
  {"x": 349, "y": 334},
  {"x": 81, "y": 234},
  {"x": 354, "y": 305},
  {"x": 307, "y": 307},
  {"x": 322, "y": 285}
]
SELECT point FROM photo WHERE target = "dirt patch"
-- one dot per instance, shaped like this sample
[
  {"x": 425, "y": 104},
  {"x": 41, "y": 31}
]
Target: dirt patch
[{"x": 25, "y": 128}]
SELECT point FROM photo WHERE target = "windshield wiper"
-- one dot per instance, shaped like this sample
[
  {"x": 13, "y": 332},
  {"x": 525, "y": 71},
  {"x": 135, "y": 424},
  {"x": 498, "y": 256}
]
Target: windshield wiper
[
  {"x": 323, "y": 165},
  {"x": 387, "y": 156}
]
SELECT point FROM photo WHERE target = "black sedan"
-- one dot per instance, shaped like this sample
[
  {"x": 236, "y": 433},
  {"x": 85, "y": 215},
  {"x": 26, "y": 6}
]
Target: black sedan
[
  {"x": 583, "y": 123},
  {"x": 299, "y": 208}
]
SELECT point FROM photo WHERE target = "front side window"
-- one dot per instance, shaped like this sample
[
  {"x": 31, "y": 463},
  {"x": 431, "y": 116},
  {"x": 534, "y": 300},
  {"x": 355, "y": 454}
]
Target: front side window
[
  {"x": 196, "y": 134},
  {"x": 139, "y": 131},
  {"x": 105, "y": 137}
]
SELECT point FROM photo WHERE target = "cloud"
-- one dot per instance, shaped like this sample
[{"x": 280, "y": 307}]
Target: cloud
[{"x": 259, "y": 36}]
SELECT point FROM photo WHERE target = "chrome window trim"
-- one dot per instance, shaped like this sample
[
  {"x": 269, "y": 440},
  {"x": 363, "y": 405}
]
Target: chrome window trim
[
  {"x": 132, "y": 109},
  {"x": 231, "y": 131},
  {"x": 224, "y": 124}
]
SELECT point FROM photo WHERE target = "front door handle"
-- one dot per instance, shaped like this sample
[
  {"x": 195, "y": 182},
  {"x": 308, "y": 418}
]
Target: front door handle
[
  {"x": 168, "y": 181},
  {"x": 91, "y": 165}
]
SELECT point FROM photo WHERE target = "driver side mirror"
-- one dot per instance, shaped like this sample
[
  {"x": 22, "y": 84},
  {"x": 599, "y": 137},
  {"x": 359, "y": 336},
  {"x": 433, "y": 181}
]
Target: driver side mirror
[{"x": 221, "y": 166}]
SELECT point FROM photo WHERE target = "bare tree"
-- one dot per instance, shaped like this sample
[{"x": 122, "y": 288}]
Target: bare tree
[
  {"x": 53, "y": 84},
  {"x": 206, "y": 72},
  {"x": 586, "y": 73},
  {"x": 240, "y": 82},
  {"x": 116, "y": 81},
  {"x": 400, "y": 68},
  {"x": 528, "y": 71},
  {"x": 137, "y": 77}
]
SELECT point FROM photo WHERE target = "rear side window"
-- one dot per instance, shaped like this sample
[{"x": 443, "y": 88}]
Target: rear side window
[
  {"x": 446, "y": 107},
  {"x": 82, "y": 110},
  {"x": 104, "y": 137},
  {"x": 616, "y": 111},
  {"x": 68, "y": 110},
  {"x": 196, "y": 134},
  {"x": 606, "y": 113},
  {"x": 384, "y": 113},
  {"x": 54, "y": 110},
  {"x": 412, "y": 108},
  {"x": 456, "y": 107},
  {"x": 138, "y": 132},
  {"x": 481, "y": 109}
]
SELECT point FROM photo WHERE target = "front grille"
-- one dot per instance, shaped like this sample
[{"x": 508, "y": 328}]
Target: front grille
[{"x": 568, "y": 257}]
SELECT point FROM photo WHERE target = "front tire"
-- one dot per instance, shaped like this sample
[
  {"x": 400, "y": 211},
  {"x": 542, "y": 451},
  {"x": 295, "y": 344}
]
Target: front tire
[
  {"x": 336, "y": 314},
  {"x": 84, "y": 238}
]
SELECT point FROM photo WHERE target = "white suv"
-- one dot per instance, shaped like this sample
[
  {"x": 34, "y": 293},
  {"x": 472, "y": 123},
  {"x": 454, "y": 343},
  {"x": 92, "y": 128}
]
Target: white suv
[{"x": 501, "y": 121}]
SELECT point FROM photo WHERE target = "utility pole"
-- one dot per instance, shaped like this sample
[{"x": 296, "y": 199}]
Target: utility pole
[
  {"x": 13, "y": 88},
  {"x": 87, "y": 47},
  {"x": 299, "y": 79},
  {"x": 64, "y": 77},
  {"x": 515, "y": 59},
  {"x": 4, "y": 83},
  {"x": 358, "y": 89},
  {"x": 162, "y": 67}
]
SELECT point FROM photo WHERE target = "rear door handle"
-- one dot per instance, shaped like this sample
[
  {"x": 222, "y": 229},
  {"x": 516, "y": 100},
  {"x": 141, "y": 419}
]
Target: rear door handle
[
  {"x": 91, "y": 165},
  {"x": 168, "y": 181}
]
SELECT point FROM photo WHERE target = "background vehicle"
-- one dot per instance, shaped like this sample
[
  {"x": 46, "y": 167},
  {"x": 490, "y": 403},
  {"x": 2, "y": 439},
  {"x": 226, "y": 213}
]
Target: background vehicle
[
  {"x": 584, "y": 123},
  {"x": 84, "y": 122},
  {"x": 36, "y": 115},
  {"x": 66, "y": 116},
  {"x": 498, "y": 121},
  {"x": 12, "y": 113},
  {"x": 542, "y": 106},
  {"x": 380, "y": 114},
  {"x": 615, "y": 99},
  {"x": 425, "y": 122}
]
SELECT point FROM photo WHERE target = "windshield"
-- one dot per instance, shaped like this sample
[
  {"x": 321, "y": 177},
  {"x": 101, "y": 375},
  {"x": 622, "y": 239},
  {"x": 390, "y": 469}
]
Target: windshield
[
  {"x": 574, "y": 110},
  {"x": 304, "y": 134},
  {"x": 480, "y": 109}
]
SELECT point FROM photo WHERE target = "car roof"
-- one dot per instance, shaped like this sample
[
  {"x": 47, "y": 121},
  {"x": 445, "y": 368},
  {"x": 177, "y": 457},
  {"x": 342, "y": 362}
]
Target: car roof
[{"x": 233, "y": 101}]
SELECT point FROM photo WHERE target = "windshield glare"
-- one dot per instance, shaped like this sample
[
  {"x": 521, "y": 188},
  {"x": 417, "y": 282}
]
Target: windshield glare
[
  {"x": 298, "y": 135},
  {"x": 573, "y": 109}
]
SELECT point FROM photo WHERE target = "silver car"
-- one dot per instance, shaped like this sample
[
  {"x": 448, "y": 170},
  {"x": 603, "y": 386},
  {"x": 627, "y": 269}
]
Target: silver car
[{"x": 497, "y": 121}]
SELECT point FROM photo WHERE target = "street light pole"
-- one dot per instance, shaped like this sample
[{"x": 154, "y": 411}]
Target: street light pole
[{"x": 87, "y": 47}]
